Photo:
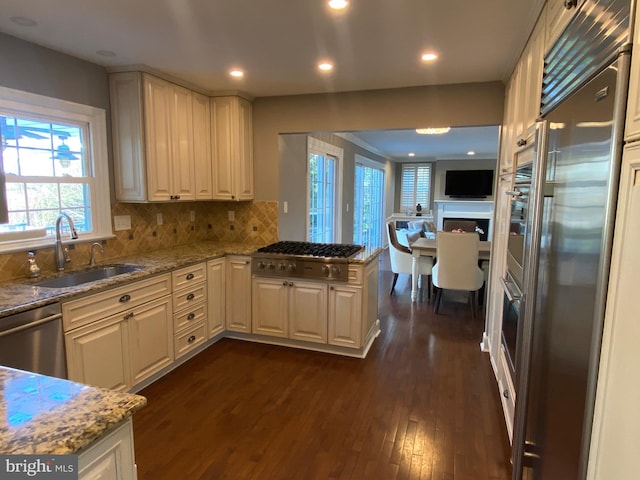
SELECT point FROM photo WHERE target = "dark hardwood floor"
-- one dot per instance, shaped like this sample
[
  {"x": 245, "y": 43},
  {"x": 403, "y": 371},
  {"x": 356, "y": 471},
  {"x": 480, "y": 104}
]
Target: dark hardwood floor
[{"x": 422, "y": 405}]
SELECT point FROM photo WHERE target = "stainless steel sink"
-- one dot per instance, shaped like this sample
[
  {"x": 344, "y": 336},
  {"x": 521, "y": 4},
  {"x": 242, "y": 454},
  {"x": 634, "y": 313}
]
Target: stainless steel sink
[{"x": 73, "y": 279}]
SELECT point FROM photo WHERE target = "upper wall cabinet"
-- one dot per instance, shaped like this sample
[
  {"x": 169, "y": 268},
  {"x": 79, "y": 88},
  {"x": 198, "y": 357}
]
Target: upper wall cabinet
[
  {"x": 632, "y": 127},
  {"x": 559, "y": 13},
  {"x": 161, "y": 135},
  {"x": 232, "y": 146}
]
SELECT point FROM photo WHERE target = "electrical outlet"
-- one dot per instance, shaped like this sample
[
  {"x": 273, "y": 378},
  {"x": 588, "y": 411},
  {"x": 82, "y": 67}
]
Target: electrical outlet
[
  {"x": 285, "y": 207},
  {"x": 159, "y": 219},
  {"x": 192, "y": 215},
  {"x": 231, "y": 215}
]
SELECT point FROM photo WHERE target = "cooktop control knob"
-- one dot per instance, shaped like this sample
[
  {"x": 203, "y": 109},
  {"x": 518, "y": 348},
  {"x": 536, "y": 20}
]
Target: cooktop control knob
[
  {"x": 261, "y": 265},
  {"x": 272, "y": 266},
  {"x": 335, "y": 270},
  {"x": 282, "y": 266},
  {"x": 292, "y": 267},
  {"x": 325, "y": 270}
]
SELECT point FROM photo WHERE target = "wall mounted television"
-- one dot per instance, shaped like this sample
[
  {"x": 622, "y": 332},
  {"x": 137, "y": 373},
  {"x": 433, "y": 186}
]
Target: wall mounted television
[{"x": 468, "y": 183}]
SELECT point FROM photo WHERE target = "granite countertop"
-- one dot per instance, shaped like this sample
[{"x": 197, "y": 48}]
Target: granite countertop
[
  {"x": 47, "y": 415},
  {"x": 20, "y": 295}
]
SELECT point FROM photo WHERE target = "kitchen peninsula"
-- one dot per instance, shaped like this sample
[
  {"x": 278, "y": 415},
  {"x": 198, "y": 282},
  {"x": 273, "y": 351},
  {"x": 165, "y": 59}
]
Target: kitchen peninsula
[{"x": 46, "y": 415}]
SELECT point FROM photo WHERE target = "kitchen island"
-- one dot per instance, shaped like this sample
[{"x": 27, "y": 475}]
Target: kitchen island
[{"x": 47, "y": 415}]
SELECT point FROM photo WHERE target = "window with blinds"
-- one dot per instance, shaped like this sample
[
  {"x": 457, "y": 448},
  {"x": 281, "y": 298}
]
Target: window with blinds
[{"x": 416, "y": 186}]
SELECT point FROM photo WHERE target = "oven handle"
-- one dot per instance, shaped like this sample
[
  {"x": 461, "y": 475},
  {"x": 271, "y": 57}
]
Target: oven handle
[
  {"x": 29, "y": 325},
  {"x": 510, "y": 295}
]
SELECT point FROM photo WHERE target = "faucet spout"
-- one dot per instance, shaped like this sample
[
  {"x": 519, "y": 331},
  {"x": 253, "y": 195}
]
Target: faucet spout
[{"x": 61, "y": 257}]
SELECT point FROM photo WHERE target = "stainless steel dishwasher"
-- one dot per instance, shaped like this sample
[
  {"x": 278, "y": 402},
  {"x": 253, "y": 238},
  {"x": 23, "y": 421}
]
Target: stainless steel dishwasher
[{"x": 33, "y": 340}]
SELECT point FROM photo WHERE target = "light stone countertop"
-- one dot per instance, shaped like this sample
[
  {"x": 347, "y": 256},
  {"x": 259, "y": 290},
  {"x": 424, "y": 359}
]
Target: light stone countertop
[
  {"x": 47, "y": 415},
  {"x": 21, "y": 294}
]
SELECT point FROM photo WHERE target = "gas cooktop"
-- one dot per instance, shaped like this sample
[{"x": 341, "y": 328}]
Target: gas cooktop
[{"x": 326, "y": 261}]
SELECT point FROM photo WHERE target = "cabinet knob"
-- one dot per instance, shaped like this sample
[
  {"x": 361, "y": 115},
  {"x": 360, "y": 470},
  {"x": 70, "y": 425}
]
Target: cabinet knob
[
  {"x": 191, "y": 296},
  {"x": 247, "y": 262},
  {"x": 505, "y": 393},
  {"x": 191, "y": 316},
  {"x": 291, "y": 284},
  {"x": 522, "y": 142},
  {"x": 125, "y": 298},
  {"x": 191, "y": 339},
  {"x": 332, "y": 287},
  {"x": 284, "y": 284},
  {"x": 190, "y": 276},
  {"x": 569, "y": 4},
  {"x": 128, "y": 316}
]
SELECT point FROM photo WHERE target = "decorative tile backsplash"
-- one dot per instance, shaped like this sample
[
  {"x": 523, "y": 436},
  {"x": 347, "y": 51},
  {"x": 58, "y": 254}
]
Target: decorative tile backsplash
[{"x": 254, "y": 222}]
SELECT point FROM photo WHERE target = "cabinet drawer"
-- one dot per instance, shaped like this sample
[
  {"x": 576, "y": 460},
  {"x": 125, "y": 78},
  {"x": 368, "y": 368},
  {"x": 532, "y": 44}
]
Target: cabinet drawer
[
  {"x": 94, "y": 307},
  {"x": 189, "y": 275},
  {"x": 190, "y": 339},
  {"x": 197, "y": 313},
  {"x": 190, "y": 296}
]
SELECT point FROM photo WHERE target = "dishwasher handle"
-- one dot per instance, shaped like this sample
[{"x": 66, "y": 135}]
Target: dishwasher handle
[{"x": 26, "y": 326}]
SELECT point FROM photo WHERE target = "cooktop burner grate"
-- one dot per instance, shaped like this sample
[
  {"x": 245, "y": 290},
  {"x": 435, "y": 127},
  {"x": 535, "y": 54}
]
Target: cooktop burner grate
[{"x": 327, "y": 250}]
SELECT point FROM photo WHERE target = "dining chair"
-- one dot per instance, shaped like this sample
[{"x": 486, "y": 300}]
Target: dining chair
[
  {"x": 457, "y": 266},
  {"x": 466, "y": 225},
  {"x": 401, "y": 260}
]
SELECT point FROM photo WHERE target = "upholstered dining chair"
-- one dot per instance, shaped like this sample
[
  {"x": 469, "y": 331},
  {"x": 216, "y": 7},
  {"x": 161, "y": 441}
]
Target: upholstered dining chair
[
  {"x": 401, "y": 260},
  {"x": 457, "y": 266}
]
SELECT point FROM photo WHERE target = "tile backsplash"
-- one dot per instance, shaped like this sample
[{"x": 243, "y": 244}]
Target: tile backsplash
[{"x": 254, "y": 222}]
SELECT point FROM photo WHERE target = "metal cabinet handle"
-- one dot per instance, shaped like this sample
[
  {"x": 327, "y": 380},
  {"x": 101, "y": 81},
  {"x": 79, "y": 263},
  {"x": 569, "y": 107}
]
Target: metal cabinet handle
[
  {"x": 291, "y": 284},
  {"x": 331, "y": 287},
  {"x": 514, "y": 193},
  {"x": 246, "y": 262},
  {"x": 128, "y": 316},
  {"x": 569, "y": 4},
  {"x": 505, "y": 393},
  {"x": 190, "y": 276},
  {"x": 191, "y": 339},
  {"x": 191, "y": 316},
  {"x": 284, "y": 284},
  {"x": 190, "y": 297},
  {"x": 522, "y": 142},
  {"x": 125, "y": 298}
]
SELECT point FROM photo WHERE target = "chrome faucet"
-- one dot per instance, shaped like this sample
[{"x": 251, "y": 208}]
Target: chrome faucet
[
  {"x": 62, "y": 253},
  {"x": 92, "y": 253}
]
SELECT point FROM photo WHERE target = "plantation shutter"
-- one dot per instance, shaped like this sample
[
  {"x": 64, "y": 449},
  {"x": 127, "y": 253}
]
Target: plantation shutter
[{"x": 415, "y": 186}]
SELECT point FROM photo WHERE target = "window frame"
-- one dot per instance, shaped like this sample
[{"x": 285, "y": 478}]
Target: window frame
[
  {"x": 318, "y": 147},
  {"x": 29, "y": 104},
  {"x": 416, "y": 165},
  {"x": 372, "y": 164}
]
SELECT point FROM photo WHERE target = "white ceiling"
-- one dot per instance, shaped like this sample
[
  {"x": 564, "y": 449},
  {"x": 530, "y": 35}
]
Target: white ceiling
[{"x": 374, "y": 44}]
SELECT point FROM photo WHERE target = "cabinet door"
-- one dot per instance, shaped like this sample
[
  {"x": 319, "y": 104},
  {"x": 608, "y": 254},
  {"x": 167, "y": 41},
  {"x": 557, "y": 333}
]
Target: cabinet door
[
  {"x": 181, "y": 134},
  {"x": 216, "y": 277},
  {"x": 151, "y": 338},
  {"x": 202, "y": 146},
  {"x": 158, "y": 107},
  {"x": 269, "y": 306},
  {"x": 308, "y": 311},
  {"x": 238, "y": 294},
  {"x": 345, "y": 312},
  {"x": 243, "y": 168},
  {"x": 557, "y": 18},
  {"x": 111, "y": 458},
  {"x": 98, "y": 354},
  {"x": 222, "y": 139}
]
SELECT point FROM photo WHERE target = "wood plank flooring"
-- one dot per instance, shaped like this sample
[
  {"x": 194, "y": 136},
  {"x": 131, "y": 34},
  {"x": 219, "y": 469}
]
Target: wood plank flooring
[{"x": 422, "y": 405}]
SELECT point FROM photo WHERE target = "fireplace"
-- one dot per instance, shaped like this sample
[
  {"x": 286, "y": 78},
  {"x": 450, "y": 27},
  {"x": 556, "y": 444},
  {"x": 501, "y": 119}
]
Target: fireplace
[
  {"x": 480, "y": 211},
  {"x": 481, "y": 223}
]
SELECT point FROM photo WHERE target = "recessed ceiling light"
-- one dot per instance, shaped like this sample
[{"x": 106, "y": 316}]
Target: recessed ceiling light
[
  {"x": 325, "y": 66},
  {"x": 236, "y": 73},
  {"x": 471, "y": 153},
  {"x": 106, "y": 53},
  {"x": 24, "y": 21},
  {"x": 411, "y": 154},
  {"x": 433, "y": 131},
  {"x": 429, "y": 57},
  {"x": 338, "y": 4}
]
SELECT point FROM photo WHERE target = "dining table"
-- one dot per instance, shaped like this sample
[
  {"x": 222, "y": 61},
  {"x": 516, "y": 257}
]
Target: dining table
[{"x": 427, "y": 247}]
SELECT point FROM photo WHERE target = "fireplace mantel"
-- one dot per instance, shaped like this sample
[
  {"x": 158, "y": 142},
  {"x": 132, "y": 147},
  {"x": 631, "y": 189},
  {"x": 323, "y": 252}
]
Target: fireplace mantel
[{"x": 471, "y": 209}]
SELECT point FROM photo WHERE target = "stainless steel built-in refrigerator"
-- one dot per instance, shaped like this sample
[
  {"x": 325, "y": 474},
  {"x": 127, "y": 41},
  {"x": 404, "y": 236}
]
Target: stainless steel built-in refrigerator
[{"x": 583, "y": 103}]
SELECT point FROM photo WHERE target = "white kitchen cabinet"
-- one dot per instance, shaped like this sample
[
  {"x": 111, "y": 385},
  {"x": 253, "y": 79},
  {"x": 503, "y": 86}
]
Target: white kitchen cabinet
[
  {"x": 507, "y": 392},
  {"x": 153, "y": 138},
  {"x": 345, "y": 316},
  {"x": 202, "y": 147},
  {"x": 111, "y": 457},
  {"x": 216, "y": 279},
  {"x": 290, "y": 308},
  {"x": 150, "y": 338},
  {"x": 88, "y": 349},
  {"x": 189, "y": 308},
  {"x": 232, "y": 148},
  {"x": 238, "y": 294},
  {"x": 131, "y": 326}
]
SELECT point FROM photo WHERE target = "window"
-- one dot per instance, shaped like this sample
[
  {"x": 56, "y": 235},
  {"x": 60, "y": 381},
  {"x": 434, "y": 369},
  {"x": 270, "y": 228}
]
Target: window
[
  {"x": 416, "y": 186},
  {"x": 368, "y": 203},
  {"x": 323, "y": 191},
  {"x": 54, "y": 160}
]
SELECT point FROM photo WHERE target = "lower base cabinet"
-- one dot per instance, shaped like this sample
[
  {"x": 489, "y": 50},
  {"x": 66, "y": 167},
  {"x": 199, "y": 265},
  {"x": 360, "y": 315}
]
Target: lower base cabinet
[
  {"x": 110, "y": 458},
  {"x": 345, "y": 313},
  {"x": 238, "y": 294}
]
